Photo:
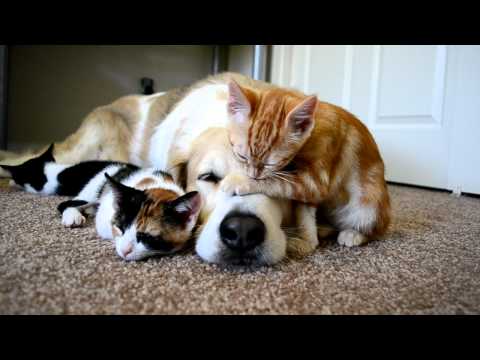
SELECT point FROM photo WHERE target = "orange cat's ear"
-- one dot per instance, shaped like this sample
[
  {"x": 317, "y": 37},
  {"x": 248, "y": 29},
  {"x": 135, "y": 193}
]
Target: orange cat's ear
[
  {"x": 238, "y": 105},
  {"x": 301, "y": 119}
]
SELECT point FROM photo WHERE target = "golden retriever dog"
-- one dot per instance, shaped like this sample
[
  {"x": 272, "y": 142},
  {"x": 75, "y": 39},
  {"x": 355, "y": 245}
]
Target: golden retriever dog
[{"x": 250, "y": 229}]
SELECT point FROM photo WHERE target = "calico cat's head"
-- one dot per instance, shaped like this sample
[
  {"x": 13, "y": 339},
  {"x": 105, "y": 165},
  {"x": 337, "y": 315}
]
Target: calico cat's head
[
  {"x": 153, "y": 221},
  {"x": 30, "y": 175},
  {"x": 267, "y": 128}
]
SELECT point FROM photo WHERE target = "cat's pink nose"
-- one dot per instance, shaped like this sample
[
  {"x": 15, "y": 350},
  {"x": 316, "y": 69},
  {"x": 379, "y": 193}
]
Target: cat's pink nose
[{"x": 127, "y": 250}]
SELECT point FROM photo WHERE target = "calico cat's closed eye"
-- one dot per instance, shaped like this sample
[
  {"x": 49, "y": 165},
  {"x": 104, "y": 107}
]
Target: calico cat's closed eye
[
  {"x": 209, "y": 177},
  {"x": 154, "y": 242}
]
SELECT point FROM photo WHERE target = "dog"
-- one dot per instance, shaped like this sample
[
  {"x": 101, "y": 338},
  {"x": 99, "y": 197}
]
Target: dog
[
  {"x": 243, "y": 230},
  {"x": 183, "y": 131}
]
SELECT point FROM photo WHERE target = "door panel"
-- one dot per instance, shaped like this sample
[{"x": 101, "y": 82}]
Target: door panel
[
  {"x": 406, "y": 97},
  {"x": 52, "y": 87},
  {"x": 407, "y": 83},
  {"x": 405, "y": 115}
]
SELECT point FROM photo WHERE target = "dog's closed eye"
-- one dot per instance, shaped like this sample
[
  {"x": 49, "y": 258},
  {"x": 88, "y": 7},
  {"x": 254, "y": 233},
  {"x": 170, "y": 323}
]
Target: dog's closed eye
[{"x": 209, "y": 177}]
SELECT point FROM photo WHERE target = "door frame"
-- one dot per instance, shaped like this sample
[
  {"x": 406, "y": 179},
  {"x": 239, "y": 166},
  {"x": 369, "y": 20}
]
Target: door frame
[{"x": 3, "y": 95}]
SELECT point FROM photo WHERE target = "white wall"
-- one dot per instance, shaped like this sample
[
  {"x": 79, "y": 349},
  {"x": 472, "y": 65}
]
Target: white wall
[{"x": 51, "y": 88}]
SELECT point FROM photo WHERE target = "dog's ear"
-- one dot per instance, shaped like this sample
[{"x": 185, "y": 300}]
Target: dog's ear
[
  {"x": 179, "y": 172},
  {"x": 182, "y": 174}
]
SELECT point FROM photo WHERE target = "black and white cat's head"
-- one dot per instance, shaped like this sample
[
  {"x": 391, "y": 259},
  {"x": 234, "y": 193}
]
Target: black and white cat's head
[
  {"x": 152, "y": 221},
  {"x": 31, "y": 174}
]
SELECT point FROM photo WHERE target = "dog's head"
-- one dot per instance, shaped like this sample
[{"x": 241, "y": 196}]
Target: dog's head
[{"x": 242, "y": 230}]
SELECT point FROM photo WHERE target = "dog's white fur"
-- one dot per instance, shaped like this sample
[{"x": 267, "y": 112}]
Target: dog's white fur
[
  {"x": 146, "y": 103},
  {"x": 272, "y": 212},
  {"x": 198, "y": 112}
]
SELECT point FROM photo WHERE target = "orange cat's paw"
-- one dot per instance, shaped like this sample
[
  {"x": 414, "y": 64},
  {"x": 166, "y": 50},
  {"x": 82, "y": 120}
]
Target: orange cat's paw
[{"x": 235, "y": 184}]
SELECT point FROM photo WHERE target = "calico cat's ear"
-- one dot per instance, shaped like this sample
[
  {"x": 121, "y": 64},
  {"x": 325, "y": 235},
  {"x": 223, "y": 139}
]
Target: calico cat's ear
[
  {"x": 116, "y": 231},
  {"x": 123, "y": 194},
  {"x": 301, "y": 119},
  {"x": 238, "y": 105},
  {"x": 185, "y": 207},
  {"x": 47, "y": 156}
]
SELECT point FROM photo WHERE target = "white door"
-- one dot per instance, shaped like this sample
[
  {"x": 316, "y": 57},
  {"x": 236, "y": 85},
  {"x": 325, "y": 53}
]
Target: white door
[{"x": 422, "y": 103}]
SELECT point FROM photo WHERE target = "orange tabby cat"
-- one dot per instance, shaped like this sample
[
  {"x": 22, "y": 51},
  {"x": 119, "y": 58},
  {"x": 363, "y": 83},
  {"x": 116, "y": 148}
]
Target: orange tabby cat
[{"x": 299, "y": 148}]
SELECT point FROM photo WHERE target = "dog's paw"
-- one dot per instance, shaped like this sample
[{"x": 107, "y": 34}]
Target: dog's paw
[
  {"x": 298, "y": 248},
  {"x": 351, "y": 238},
  {"x": 71, "y": 217},
  {"x": 235, "y": 185}
]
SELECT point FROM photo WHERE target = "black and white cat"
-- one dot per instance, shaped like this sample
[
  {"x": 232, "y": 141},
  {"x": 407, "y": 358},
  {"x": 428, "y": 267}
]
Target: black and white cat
[{"x": 142, "y": 210}]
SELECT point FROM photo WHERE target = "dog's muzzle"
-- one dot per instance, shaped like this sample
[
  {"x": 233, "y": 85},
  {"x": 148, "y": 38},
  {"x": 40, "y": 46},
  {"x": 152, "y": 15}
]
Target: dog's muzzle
[
  {"x": 243, "y": 230},
  {"x": 242, "y": 233}
]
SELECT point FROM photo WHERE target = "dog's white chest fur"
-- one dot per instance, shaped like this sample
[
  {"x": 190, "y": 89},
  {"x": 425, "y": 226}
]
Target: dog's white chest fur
[{"x": 202, "y": 109}]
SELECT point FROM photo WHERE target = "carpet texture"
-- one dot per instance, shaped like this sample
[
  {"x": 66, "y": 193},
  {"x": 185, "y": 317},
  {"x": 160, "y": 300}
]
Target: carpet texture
[{"x": 428, "y": 264}]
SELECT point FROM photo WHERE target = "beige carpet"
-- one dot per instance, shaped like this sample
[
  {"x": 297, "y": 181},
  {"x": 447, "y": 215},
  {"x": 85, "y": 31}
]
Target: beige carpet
[{"x": 430, "y": 263}]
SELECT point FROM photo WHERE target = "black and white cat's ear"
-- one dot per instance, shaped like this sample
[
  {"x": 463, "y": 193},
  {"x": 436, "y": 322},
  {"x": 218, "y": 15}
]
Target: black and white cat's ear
[
  {"x": 10, "y": 169},
  {"x": 47, "y": 156},
  {"x": 238, "y": 105},
  {"x": 302, "y": 118},
  {"x": 186, "y": 207},
  {"x": 124, "y": 194}
]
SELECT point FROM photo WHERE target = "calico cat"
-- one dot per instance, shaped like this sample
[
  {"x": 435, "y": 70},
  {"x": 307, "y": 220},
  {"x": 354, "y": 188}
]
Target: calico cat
[
  {"x": 143, "y": 210},
  {"x": 296, "y": 147}
]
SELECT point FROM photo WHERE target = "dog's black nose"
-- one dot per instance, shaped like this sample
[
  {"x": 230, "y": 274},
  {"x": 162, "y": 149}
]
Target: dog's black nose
[{"x": 241, "y": 232}]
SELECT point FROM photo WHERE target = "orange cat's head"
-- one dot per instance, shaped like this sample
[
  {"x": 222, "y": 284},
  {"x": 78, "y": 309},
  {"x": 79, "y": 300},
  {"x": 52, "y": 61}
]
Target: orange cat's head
[{"x": 267, "y": 128}]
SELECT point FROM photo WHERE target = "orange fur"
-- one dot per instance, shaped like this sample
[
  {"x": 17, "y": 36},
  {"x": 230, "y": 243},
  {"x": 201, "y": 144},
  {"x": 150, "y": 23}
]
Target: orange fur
[{"x": 335, "y": 162}]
